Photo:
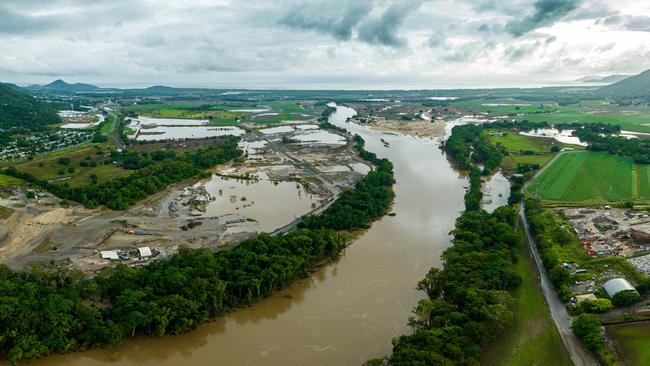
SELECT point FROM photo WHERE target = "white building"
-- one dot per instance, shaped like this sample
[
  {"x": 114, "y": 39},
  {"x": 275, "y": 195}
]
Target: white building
[
  {"x": 145, "y": 252},
  {"x": 616, "y": 285}
]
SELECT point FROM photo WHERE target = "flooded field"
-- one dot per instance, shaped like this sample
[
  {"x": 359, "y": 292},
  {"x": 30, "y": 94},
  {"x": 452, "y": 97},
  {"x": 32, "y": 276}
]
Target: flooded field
[
  {"x": 320, "y": 137},
  {"x": 249, "y": 199},
  {"x": 563, "y": 136},
  {"x": 149, "y": 121},
  {"x": 347, "y": 311},
  {"x": 496, "y": 191},
  {"x": 75, "y": 120},
  {"x": 161, "y": 133}
]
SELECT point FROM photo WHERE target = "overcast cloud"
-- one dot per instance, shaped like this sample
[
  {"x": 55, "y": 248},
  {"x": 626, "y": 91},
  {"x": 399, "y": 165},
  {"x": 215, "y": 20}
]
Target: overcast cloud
[{"x": 321, "y": 43}]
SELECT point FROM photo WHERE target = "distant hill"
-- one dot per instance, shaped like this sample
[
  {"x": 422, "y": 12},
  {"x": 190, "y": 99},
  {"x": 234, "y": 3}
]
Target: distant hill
[
  {"x": 603, "y": 79},
  {"x": 638, "y": 85},
  {"x": 19, "y": 111},
  {"x": 61, "y": 85}
]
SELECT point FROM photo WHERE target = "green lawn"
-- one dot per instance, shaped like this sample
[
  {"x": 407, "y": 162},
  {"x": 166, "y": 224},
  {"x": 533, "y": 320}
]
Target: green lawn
[
  {"x": 589, "y": 177},
  {"x": 532, "y": 339},
  {"x": 6, "y": 181},
  {"x": 515, "y": 144},
  {"x": 89, "y": 152},
  {"x": 632, "y": 342},
  {"x": 510, "y": 162},
  {"x": 643, "y": 181}
]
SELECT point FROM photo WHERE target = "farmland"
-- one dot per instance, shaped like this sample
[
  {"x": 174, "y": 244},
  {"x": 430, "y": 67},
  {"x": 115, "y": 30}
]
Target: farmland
[
  {"x": 632, "y": 342},
  {"x": 630, "y": 118},
  {"x": 590, "y": 177},
  {"x": 525, "y": 149},
  {"x": 216, "y": 114}
]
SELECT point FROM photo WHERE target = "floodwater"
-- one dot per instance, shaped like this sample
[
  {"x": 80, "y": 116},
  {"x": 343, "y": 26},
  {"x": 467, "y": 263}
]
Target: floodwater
[
  {"x": 274, "y": 130},
  {"x": 319, "y": 137},
  {"x": 250, "y": 199},
  {"x": 496, "y": 191},
  {"x": 191, "y": 132},
  {"x": 149, "y": 121},
  {"x": 347, "y": 311},
  {"x": 563, "y": 136}
]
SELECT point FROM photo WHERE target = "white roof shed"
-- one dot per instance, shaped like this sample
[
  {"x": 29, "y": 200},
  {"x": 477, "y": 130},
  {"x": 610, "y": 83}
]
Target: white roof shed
[
  {"x": 110, "y": 254},
  {"x": 617, "y": 285},
  {"x": 145, "y": 252}
]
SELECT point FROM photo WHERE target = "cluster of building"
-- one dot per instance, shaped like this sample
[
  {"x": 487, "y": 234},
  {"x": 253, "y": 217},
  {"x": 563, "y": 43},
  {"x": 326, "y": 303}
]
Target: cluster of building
[
  {"x": 27, "y": 146},
  {"x": 136, "y": 255},
  {"x": 607, "y": 231}
]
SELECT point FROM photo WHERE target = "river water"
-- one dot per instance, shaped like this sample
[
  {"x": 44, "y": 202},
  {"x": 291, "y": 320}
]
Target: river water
[{"x": 348, "y": 311}]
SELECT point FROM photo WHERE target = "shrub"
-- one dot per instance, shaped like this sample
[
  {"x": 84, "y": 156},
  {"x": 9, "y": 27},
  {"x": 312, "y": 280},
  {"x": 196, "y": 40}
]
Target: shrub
[
  {"x": 587, "y": 328},
  {"x": 625, "y": 298}
]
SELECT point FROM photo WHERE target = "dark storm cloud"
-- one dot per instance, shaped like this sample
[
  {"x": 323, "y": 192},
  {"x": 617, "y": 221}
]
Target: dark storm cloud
[
  {"x": 384, "y": 30},
  {"x": 329, "y": 17},
  {"x": 34, "y": 16},
  {"x": 14, "y": 22},
  {"x": 545, "y": 13}
]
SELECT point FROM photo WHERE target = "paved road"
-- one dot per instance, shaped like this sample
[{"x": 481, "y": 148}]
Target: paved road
[
  {"x": 578, "y": 353},
  {"x": 113, "y": 132}
]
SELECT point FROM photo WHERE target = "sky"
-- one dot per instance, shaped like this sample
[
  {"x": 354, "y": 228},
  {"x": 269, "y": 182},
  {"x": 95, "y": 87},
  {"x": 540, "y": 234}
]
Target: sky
[{"x": 322, "y": 44}]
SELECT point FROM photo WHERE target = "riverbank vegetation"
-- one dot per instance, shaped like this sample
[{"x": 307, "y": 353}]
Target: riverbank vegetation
[
  {"x": 469, "y": 146},
  {"x": 370, "y": 198},
  {"x": 469, "y": 299},
  {"x": 62, "y": 311},
  {"x": 532, "y": 337}
]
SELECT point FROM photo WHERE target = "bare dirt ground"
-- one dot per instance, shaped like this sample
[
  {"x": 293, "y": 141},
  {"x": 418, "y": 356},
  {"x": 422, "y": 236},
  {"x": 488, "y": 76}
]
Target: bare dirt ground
[
  {"x": 413, "y": 128},
  {"x": 42, "y": 231}
]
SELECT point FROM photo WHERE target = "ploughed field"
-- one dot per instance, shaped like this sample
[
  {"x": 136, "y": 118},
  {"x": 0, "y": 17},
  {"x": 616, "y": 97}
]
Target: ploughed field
[{"x": 592, "y": 177}]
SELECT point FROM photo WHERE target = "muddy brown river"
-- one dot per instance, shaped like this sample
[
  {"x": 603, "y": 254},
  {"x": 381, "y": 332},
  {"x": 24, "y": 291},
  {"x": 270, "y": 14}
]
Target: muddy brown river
[{"x": 348, "y": 311}]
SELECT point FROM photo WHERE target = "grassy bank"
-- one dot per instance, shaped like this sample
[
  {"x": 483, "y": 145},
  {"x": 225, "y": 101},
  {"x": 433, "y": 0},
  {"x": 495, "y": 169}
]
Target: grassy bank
[{"x": 532, "y": 339}]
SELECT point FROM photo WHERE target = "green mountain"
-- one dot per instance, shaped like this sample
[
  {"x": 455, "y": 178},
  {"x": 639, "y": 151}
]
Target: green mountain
[
  {"x": 21, "y": 112},
  {"x": 638, "y": 85},
  {"x": 61, "y": 85}
]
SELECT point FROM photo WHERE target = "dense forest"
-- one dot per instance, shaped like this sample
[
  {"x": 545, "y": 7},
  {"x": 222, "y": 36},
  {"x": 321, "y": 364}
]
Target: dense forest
[
  {"x": 468, "y": 145},
  {"x": 155, "y": 171},
  {"x": 21, "y": 113},
  {"x": 63, "y": 311}
]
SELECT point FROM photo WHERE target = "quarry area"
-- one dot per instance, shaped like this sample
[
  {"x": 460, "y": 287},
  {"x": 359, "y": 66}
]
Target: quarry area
[
  {"x": 611, "y": 231},
  {"x": 287, "y": 172}
]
